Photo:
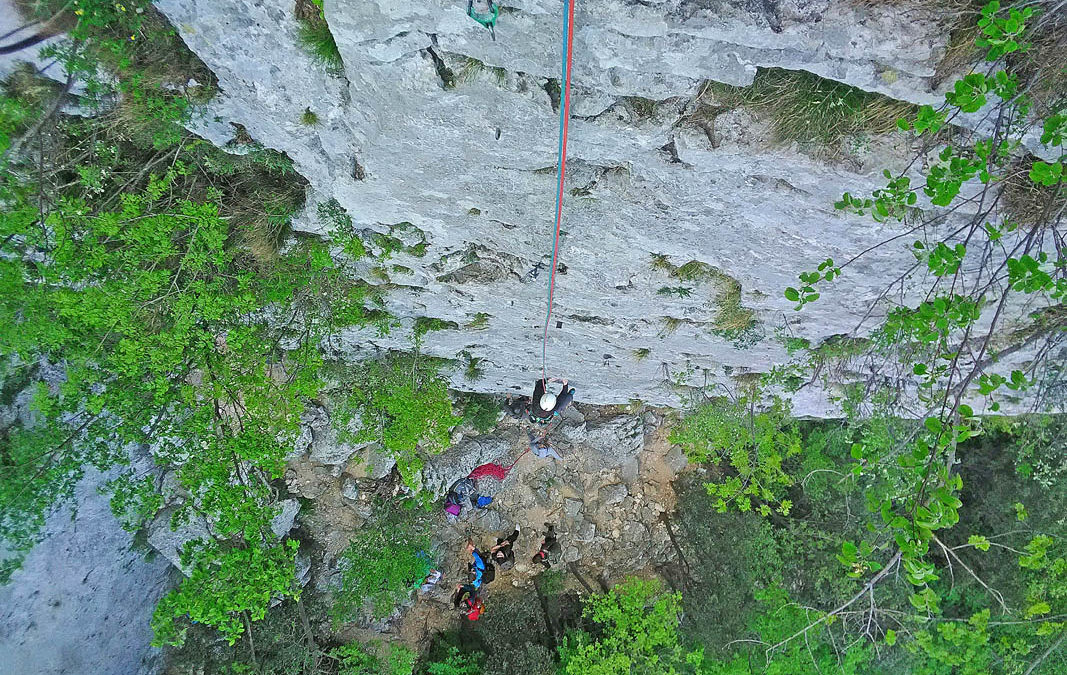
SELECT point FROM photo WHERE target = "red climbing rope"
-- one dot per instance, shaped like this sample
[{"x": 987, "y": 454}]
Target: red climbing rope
[
  {"x": 564, "y": 118},
  {"x": 495, "y": 470}
]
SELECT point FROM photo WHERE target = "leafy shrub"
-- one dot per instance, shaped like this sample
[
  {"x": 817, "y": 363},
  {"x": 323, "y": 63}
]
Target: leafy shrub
[
  {"x": 480, "y": 411},
  {"x": 751, "y": 446},
  {"x": 385, "y": 561},
  {"x": 456, "y": 663},
  {"x": 403, "y": 403},
  {"x": 635, "y": 630}
]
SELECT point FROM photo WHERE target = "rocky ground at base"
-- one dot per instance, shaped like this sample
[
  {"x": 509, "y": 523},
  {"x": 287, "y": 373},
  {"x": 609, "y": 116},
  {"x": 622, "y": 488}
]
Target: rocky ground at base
[{"x": 607, "y": 498}]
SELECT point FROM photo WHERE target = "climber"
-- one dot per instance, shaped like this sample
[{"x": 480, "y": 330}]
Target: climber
[
  {"x": 545, "y": 404},
  {"x": 484, "y": 12},
  {"x": 503, "y": 554},
  {"x": 565, "y": 398},
  {"x": 540, "y": 446},
  {"x": 550, "y": 550}
]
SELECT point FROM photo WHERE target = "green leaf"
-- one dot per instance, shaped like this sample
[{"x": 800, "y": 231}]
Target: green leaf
[{"x": 932, "y": 424}]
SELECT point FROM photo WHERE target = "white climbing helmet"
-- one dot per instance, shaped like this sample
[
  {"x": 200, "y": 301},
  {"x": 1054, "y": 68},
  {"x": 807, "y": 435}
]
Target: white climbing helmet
[{"x": 548, "y": 402}]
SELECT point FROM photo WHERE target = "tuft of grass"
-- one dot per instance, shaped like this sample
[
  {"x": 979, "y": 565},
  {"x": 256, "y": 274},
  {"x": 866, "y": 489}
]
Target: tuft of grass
[
  {"x": 479, "y": 322},
  {"x": 425, "y": 324},
  {"x": 812, "y": 110},
  {"x": 661, "y": 262},
  {"x": 641, "y": 353},
  {"x": 642, "y": 108},
  {"x": 472, "y": 67},
  {"x": 670, "y": 324},
  {"x": 309, "y": 118},
  {"x": 680, "y": 291},
  {"x": 732, "y": 316},
  {"x": 696, "y": 271},
  {"x": 796, "y": 344},
  {"x": 473, "y": 371},
  {"x": 317, "y": 40},
  {"x": 841, "y": 347}
]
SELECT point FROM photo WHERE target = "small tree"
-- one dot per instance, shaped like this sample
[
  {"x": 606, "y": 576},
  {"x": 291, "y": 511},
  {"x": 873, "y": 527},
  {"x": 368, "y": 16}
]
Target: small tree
[
  {"x": 634, "y": 630},
  {"x": 386, "y": 559}
]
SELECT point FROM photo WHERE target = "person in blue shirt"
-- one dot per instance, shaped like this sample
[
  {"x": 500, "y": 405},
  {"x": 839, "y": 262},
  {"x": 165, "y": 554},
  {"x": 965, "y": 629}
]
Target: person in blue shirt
[{"x": 476, "y": 566}]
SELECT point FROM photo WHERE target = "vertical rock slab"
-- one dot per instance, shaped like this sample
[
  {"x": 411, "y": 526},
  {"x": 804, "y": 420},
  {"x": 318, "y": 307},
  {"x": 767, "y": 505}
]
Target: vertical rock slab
[{"x": 82, "y": 602}]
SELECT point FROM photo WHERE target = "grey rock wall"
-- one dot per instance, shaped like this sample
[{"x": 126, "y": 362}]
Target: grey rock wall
[
  {"x": 82, "y": 602},
  {"x": 472, "y": 167}
]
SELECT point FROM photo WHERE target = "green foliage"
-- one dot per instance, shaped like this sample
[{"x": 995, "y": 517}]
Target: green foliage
[
  {"x": 355, "y": 659},
  {"x": 426, "y": 324},
  {"x": 1002, "y": 35},
  {"x": 807, "y": 293},
  {"x": 943, "y": 339},
  {"x": 457, "y": 663},
  {"x": 385, "y": 561},
  {"x": 680, "y": 291},
  {"x": 403, "y": 403},
  {"x": 480, "y": 321},
  {"x": 148, "y": 267},
  {"x": 795, "y": 344},
  {"x": 480, "y": 411},
  {"x": 309, "y": 118},
  {"x": 635, "y": 630},
  {"x": 225, "y": 582},
  {"x": 815, "y": 653},
  {"x": 753, "y": 448},
  {"x": 1041, "y": 445}
]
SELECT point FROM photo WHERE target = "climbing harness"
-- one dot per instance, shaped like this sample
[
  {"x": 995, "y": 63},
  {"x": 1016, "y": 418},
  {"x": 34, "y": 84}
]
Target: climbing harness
[
  {"x": 487, "y": 17},
  {"x": 564, "y": 118}
]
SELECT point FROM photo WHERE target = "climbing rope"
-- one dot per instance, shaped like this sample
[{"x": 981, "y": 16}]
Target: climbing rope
[{"x": 564, "y": 118}]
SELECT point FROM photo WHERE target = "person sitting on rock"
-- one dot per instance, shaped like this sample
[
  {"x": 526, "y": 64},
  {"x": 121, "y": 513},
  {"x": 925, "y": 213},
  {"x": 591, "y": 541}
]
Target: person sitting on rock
[
  {"x": 430, "y": 581},
  {"x": 466, "y": 600},
  {"x": 503, "y": 555},
  {"x": 550, "y": 550},
  {"x": 540, "y": 446},
  {"x": 545, "y": 405},
  {"x": 476, "y": 567}
]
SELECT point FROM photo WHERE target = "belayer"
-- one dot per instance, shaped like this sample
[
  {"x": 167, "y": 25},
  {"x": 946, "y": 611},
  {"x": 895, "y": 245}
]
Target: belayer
[
  {"x": 545, "y": 405},
  {"x": 540, "y": 446}
]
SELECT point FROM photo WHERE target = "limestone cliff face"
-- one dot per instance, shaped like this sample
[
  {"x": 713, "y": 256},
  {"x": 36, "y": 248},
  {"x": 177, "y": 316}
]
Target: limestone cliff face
[{"x": 432, "y": 123}]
